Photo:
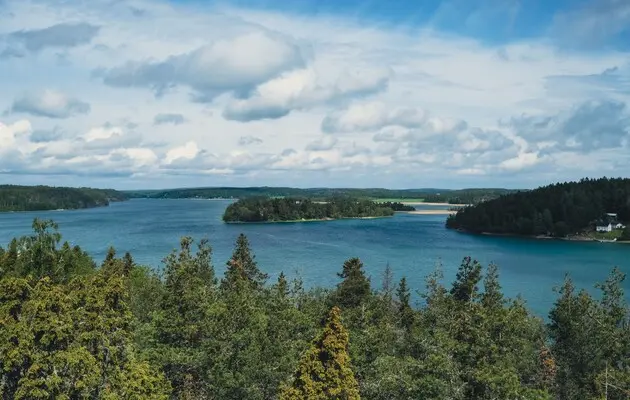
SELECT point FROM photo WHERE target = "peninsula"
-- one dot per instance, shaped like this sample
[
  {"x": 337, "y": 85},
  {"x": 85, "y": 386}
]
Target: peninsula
[
  {"x": 41, "y": 198},
  {"x": 292, "y": 209},
  {"x": 590, "y": 209}
]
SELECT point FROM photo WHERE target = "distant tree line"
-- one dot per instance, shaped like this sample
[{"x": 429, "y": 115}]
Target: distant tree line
[
  {"x": 264, "y": 209},
  {"x": 464, "y": 196},
  {"x": 70, "y": 329},
  {"x": 36, "y": 198},
  {"x": 559, "y": 209}
]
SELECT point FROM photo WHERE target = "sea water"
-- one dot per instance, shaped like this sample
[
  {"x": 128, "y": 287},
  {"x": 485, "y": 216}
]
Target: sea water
[{"x": 413, "y": 245}]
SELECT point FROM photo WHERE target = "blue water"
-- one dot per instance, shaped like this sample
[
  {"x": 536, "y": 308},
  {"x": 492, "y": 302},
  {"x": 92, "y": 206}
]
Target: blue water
[{"x": 412, "y": 244}]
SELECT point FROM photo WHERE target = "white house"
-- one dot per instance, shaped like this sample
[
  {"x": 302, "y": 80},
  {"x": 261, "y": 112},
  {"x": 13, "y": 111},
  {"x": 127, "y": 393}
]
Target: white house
[{"x": 604, "y": 228}]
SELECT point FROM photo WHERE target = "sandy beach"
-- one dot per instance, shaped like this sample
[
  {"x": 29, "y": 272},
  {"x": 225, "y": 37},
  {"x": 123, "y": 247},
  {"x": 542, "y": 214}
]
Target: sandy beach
[
  {"x": 420, "y": 203},
  {"x": 431, "y": 212}
]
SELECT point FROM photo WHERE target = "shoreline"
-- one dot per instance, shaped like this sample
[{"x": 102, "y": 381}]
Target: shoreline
[
  {"x": 420, "y": 203},
  {"x": 296, "y": 221},
  {"x": 542, "y": 237},
  {"x": 429, "y": 212}
]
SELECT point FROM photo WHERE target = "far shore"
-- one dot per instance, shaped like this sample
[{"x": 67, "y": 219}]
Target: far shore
[
  {"x": 430, "y": 212},
  {"x": 421, "y": 203},
  {"x": 545, "y": 237},
  {"x": 304, "y": 220}
]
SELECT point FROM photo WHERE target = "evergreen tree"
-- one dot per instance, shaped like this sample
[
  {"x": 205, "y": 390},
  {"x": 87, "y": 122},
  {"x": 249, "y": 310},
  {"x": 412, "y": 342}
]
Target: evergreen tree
[
  {"x": 180, "y": 325},
  {"x": 405, "y": 312},
  {"x": 324, "y": 371},
  {"x": 492, "y": 297},
  {"x": 354, "y": 290},
  {"x": 468, "y": 277},
  {"x": 242, "y": 268}
]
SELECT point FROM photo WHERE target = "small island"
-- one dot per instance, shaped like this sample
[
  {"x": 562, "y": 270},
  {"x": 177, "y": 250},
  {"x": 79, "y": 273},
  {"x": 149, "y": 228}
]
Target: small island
[
  {"x": 589, "y": 210},
  {"x": 42, "y": 198},
  {"x": 291, "y": 209},
  {"x": 396, "y": 206}
]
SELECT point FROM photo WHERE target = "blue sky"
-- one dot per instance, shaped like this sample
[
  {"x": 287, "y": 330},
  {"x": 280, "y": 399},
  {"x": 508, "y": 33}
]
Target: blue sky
[{"x": 453, "y": 93}]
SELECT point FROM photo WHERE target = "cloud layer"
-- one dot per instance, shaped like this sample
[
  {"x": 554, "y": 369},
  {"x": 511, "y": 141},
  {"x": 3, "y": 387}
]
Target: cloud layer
[{"x": 157, "y": 94}]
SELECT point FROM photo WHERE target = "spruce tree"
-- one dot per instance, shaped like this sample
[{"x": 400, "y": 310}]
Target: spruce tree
[
  {"x": 354, "y": 290},
  {"x": 242, "y": 267},
  {"x": 405, "y": 312},
  {"x": 465, "y": 287},
  {"x": 324, "y": 372}
]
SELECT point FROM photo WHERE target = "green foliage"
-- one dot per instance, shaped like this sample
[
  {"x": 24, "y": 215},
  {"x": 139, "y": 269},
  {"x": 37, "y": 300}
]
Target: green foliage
[
  {"x": 33, "y": 198},
  {"x": 354, "y": 290},
  {"x": 559, "y": 209},
  {"x": 39, "y": 255},
  {"x": 69, "y": 330},
  {"x": 242, "y": 269},
  {"x": 324, "y": 371},
  {"x": 260, "y": 209},
  {"x": 591, "y": 341}
]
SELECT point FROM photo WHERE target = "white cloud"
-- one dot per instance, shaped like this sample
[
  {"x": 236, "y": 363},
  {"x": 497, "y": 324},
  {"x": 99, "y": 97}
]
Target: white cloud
[
  {"x": 363, "y": 100},
  {"x": 228, "y": 64},
  {"x": 49, "y": 103},
  {"x": 187, "y": 151}
]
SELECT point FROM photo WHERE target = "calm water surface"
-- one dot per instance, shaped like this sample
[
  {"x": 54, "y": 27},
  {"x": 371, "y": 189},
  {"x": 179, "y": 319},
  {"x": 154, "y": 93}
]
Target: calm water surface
[{"x": 412, "y": 244}]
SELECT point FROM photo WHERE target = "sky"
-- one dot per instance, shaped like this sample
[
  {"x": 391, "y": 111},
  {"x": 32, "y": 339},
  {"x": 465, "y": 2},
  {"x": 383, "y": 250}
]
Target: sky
[{"x": 140, "y": 94}]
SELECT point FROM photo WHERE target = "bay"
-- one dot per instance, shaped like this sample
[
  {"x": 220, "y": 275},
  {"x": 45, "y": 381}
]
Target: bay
[{"x": 412, "y": 244}]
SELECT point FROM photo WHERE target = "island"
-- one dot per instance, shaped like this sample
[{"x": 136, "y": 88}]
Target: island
[
  {"x": 41, "y": 198},
  {"x": 590, "y": 209},
  {"x": 293, "y": 209}
]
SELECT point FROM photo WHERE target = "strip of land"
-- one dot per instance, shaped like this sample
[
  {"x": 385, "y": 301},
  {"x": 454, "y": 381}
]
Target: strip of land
[{"x": 431, "y": 212}]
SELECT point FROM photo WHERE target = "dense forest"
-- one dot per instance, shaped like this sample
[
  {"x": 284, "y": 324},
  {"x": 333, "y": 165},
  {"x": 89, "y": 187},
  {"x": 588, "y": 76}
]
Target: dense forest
[
  {"x": 71, "y": 329},
  {"x": 558, "y": 210},
  {"x": 396, "y": 206},
  {"x": 265, "y": 209},
  {"x": 463, "y": 196},
  {"x": 35, "y": 198},
  {"x": 466, "y": 196}
]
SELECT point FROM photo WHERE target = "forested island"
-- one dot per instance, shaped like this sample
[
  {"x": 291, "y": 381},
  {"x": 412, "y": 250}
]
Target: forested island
[
  {"x": 577, "y": 209},
  {"x": 460, "y": 196},
  {"x": 40, "y": 198},
  {"x": 72, "y": 329},
  {"x": 397, "y": 206},
  {"x": 293, "y": 209}
]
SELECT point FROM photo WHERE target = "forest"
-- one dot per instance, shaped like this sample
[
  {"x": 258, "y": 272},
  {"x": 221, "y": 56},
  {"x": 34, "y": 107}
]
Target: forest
[
  {"x": 264, "y": 209},
  {"x": 72, "y": 329},
  {"x": 463, "y": 196},
  {"x": 396, "y": 206},
  {"x": 559, "y": 210},
  {"x": 37, "y": 198}
]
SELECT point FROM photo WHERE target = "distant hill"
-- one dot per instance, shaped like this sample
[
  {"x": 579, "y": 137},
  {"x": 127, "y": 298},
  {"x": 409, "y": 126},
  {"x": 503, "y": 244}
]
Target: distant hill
[
  {"x": 464, "y": 196},
  {"x": 36, "y": 198},
  {"x": 556, "y": 210}
]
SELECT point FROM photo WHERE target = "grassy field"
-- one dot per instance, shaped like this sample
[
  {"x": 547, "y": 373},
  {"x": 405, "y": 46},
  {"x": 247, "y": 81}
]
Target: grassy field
[{"x": 615, "y": 234}]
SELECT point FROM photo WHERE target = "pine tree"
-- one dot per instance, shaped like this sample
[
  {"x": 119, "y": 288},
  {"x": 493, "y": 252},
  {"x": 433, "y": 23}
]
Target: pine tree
[
  {"x": 405, "y": 312},
  {"x": 242, "y": 267},
  {"x": 354, "y": 290},
  {"x": 324, "y": 371},
  {"x": 468, "y": 276},
  {"x": 492, "y": 297}
]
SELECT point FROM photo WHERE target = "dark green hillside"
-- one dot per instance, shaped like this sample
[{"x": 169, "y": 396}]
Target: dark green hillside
[
  {"x": 558, "y": 210},
  {"x": 262, "y": 209},
  {"x": 463, "y": 196},
  {"x": 36, "y": 198}
]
